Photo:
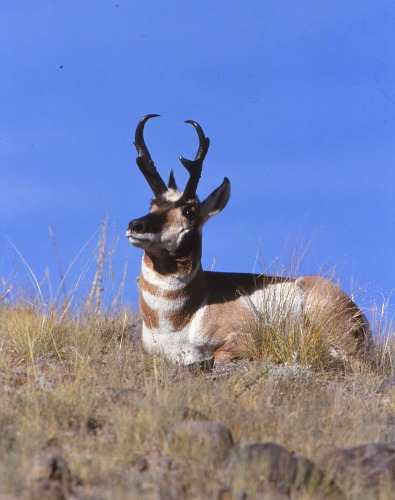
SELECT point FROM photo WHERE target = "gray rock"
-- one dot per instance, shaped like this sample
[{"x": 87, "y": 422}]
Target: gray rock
[
  {"x": 50, "y": 477},
  {"x": 358, "y": 468},
  {"x": 271, "y": 470},
  {"x": 44, "y": 489},
  {"x": 387, "y": 384},
  {"x": 200, "y": 440}
]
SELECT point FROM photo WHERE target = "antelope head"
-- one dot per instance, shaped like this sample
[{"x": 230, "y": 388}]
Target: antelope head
[{"x": 173, "y": 227}]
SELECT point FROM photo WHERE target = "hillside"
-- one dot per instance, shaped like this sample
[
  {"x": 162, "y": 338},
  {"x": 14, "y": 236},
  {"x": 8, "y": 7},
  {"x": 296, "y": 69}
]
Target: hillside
[{"x": 86, "y": 413}]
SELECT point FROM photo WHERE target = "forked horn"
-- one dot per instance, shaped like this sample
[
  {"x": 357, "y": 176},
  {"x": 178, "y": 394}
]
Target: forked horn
[
  {"x": 144, "y": 160},
  {"x": 195, "y": 166}
]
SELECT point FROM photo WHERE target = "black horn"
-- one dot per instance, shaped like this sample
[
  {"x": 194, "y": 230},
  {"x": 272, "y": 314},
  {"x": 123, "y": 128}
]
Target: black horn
[
  {"x": 144, "y": 160},
  {"x": 195, "y": 166}
]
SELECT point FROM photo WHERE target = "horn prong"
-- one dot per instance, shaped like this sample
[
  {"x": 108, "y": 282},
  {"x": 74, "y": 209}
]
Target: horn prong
[
  {"x": 194, "y": 167},
  {"x": 172, "y": 181}
]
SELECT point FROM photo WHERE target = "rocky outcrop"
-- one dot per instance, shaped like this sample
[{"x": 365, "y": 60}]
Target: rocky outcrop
[{"x": 270, "y": 470}]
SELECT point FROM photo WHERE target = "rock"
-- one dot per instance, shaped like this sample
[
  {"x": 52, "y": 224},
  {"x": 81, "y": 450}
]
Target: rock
[
  {"x": 124, "y": 395},
  {"x": 16, "y": 378},
  {"x": 197, "y": 368},
  {"x": 94, "y": 425},
  {"x": 223, "y": 494},
  {"x": 69, "y": 378},
  {"x": 387, "y": 384},
  {"x": 8, "y": 436},
  {"x": 271, "y": 470},
  {"x": 140, "y": 463},
  {"x": 358, "y": 468},
  {"x": 200, "y": 440},
  {"x": 44, "y": 489},
  {"x": 191, "y": 414},
  {"x": 50, "y": 477},
  {"x": 170, "y": 488}
]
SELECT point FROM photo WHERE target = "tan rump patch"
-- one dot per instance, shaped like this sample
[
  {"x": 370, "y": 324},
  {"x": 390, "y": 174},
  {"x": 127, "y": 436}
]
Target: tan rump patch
[{"x": 334, "y": 311}]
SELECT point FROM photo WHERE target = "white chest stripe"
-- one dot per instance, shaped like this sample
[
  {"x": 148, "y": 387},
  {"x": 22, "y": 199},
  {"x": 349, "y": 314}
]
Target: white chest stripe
[{"x": 161, "y": 304}]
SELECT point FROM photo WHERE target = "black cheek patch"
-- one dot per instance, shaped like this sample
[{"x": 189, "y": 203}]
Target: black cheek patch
[
  {"x": 154, "y": 222},
  {"x": 190, "y": 243},
  {"x": 158, "y": 221}
]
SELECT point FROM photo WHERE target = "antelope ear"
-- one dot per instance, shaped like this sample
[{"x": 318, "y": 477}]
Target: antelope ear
[{"x": 216, "y": 201}]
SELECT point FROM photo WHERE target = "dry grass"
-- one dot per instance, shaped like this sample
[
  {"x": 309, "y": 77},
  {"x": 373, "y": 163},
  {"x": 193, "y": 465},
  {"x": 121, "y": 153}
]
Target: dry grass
[
  {"x": 314, "y": 346},
  {"x": 75, "y": 380},
  {"x": 289, "y": 342}
]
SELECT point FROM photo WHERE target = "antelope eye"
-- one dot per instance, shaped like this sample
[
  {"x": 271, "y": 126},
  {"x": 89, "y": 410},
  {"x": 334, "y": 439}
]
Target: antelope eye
[{"x": 189, "y": 213}]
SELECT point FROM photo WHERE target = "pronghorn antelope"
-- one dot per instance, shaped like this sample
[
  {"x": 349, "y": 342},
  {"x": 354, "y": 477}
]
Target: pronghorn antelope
[{"x": 191, "y": 315}]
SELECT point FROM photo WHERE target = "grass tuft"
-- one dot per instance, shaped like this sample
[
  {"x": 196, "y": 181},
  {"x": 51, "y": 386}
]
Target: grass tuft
[{"x": 289, "y": 342}]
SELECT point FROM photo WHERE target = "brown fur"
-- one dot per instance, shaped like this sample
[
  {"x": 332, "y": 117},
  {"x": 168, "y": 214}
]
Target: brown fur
[
  {"x": 150, "y": 317},
  {"x": 195, "y": 294},
  {"x": 343, "y": 322}
]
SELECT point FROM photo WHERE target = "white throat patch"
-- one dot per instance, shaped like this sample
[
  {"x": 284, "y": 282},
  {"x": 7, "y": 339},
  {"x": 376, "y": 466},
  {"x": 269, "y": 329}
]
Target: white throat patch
[{"x": 168, "y": 283}]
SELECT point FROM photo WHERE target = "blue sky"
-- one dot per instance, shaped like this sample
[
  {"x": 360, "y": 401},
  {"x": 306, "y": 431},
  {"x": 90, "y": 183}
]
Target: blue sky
[{"x": 297, "y": 97}]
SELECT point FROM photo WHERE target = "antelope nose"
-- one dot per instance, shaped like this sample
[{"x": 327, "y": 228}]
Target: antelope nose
[{"x": 137, "y": 226}]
